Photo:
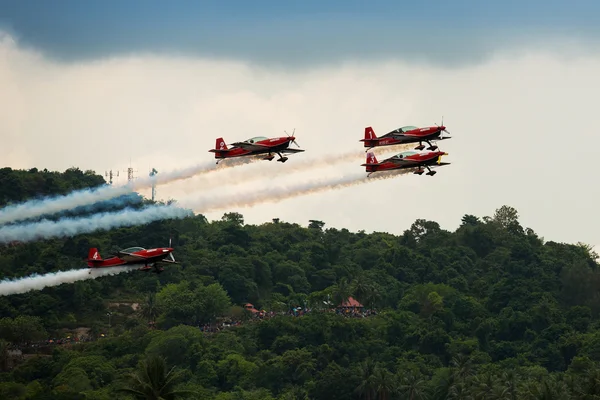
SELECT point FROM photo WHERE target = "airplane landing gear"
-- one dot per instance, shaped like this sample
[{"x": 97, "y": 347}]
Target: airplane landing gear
[
  {"x": 270, "y": 157},
  {"x": 432, "y": 148},
  {"x": 419, "y": 172},
  {"x": 282, "y": 159},
  {"x": 431, "y": 173},
  {"x": 420, "y": 146}
]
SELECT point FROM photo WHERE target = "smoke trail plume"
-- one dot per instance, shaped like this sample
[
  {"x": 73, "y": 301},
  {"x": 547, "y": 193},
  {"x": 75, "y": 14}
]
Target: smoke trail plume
[
  {"x": 115, "y": 204},
  {"x": 76, "y": 226},
  {"x": 38, "y": 282},
  {"x": 55, "y": 204},
  {"x": 279, "y": 193},
  {"x": 186, "y": 173},
  {"x": 298, "y": 165},
  {"x": 52, "y": 205}
]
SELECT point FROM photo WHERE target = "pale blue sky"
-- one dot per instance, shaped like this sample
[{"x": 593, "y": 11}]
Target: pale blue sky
[{"x": 294, "y": 33}]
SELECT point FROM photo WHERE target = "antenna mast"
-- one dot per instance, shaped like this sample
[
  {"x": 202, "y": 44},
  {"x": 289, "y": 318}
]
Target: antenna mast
[
  {"x": 130, "y": 172},
  {"x": 110, "y": 175},
  {"x": 152, "y": 173}
]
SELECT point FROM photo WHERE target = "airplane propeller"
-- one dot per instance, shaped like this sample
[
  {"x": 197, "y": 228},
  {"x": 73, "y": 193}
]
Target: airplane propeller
[
  {"x": 444, "y": 130},
  {"x": 293, "y": 141}
]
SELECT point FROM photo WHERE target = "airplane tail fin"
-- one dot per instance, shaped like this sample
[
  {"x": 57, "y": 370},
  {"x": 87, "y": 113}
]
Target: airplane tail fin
[
  {"x": 220, "y": 148},
  {"x": 371, "y": 164},
  {"x": 220, "y": 144},
  {"x": 94, "y": 257},
  {"x": 370, "y": 139}
]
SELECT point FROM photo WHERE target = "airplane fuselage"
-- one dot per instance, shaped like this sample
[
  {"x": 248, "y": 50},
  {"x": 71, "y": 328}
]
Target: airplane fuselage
[
  {"x": 150, "y": 256},
  {"x": 273, "y": 146},
  {"x": 414, "y": 136}
]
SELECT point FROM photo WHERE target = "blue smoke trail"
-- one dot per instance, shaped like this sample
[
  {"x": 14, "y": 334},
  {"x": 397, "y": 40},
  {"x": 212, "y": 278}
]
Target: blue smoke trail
[
  {"x": 68, "y": 227},
  {"x": 55, "y": 204}
]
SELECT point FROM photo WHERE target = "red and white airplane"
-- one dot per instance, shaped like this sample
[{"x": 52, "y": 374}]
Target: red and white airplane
[
  {"x": 255, "y": 146},
  {"x": 406, "y": 159},
  {"x": 406, "y": 134},
  {"x": 133, "y": 256}
]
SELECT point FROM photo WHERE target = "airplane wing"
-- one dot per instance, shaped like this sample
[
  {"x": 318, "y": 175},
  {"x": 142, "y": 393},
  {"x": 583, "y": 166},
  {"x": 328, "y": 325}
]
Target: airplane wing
[
  {"x": 169, "y": 260},
  {"x": 165, "y": 261},
  {"x": 410, "y": 163},
  {"x": 289, "y": 150}
]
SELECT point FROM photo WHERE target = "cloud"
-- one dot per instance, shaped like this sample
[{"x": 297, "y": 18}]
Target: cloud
[{"x": 523, "y": 127}]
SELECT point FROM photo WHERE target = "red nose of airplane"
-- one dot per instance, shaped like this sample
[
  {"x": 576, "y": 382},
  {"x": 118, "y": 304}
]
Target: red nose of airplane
[
  {"x": 291, "y": 138},
  {"x": 442, "y": 127},
  {"x": 170, "y": 249}
]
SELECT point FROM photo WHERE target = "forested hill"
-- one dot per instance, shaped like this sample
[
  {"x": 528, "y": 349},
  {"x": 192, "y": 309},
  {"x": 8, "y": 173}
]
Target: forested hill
[
  {"x": 489, "y": 311},
  {"x": 20, "y": 185}
]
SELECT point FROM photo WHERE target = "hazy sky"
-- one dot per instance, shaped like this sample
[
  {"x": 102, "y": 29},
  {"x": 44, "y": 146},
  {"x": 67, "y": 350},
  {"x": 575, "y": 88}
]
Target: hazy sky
[{"x": 95, "y": 84}]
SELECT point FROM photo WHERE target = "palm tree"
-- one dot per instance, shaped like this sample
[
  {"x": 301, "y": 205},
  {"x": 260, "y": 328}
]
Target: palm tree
[
  {"x": 150, "y": 309},
  {"x": 383, "y": 383},
  {"x": 412, "y": 387},
  {"x": 373, "y": 298},
  {"x": 459, "y": 391},
  {"x": 341, "y": 291},
  {"x": 366, "y": 387},
  {"x": 510, "y": 381},
  {"x": 549, "y": 389},
  {"x": 462, "y": 366},
  {"x": 361, "y": 288},
  {"x": 483, "y": 386},
  {"x": 152, "y": 381}
]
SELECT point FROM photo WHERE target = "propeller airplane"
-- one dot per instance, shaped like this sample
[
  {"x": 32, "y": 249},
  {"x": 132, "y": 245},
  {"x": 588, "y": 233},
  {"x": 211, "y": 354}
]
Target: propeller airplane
[
  {"x": 134, "y": 256},
  {"x": 256, "y": 146},
  {"x": 406, "y": 159},
  {"x": 406, "y": 134}
]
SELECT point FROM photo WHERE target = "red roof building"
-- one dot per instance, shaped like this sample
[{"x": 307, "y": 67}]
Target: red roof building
[
  {"x": 351, "y": 303},
  {"x": 250, "y": 307}
]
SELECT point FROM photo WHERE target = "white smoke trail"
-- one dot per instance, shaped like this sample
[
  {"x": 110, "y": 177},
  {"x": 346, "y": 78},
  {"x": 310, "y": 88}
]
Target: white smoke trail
[
  {"x": 279, "y": 193},
  {"x": 297, "y": 165},
  {"x": 38, "y": 282},
  {"x": 52, "y": 205},
  {"x": 67, "y": 227},
  {"x": 186, "y": 173}
]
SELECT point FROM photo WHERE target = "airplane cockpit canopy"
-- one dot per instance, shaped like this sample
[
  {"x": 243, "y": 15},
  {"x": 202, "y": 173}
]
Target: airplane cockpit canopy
[
  {"x": 132, "y": 249},
  {"x": 256, "y": 139},
  {"x": 407, "y": 128},
  {"x": 405, "y": 154}
]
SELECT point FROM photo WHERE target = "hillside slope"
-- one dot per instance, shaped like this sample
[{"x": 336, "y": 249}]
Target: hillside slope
[{"x": 491, "y": 311}]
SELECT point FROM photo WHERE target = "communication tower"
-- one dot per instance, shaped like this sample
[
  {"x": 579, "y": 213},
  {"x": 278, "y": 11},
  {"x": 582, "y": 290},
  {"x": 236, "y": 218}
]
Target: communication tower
[
  {"x": 110, "y": 175},
  {"x": 130, "y": 172},
  {"x": 152, "y": 173}
]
